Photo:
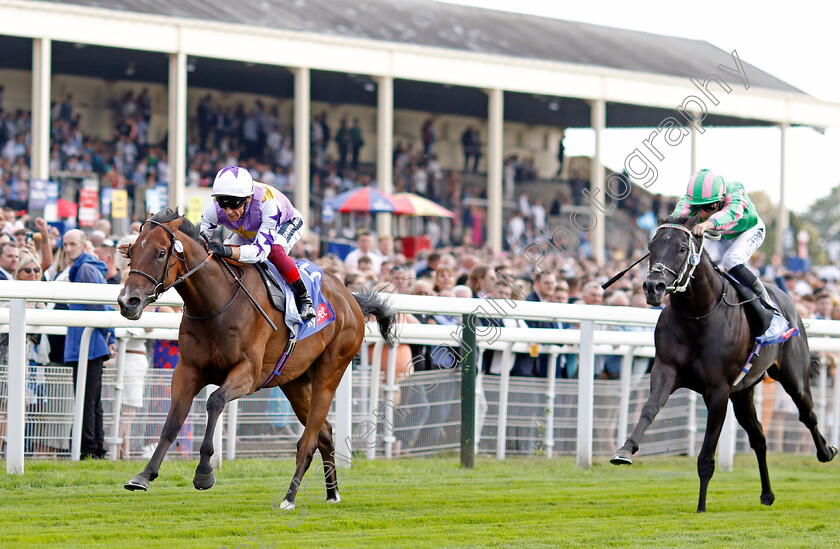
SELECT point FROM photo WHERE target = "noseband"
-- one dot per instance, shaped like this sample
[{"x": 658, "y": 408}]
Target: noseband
[
  {"x": 688, "y": 266},
  {"x": 178, "y": 247}
]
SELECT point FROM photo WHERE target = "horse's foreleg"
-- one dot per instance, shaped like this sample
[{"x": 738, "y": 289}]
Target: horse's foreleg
[
  {"x": 237, "y": 384},
  {"x": 663, "y": 382},
  {"x": 184, "y": 389},
  {"x": 744, "y": 407},
  {"x": 716, "y": 403}
]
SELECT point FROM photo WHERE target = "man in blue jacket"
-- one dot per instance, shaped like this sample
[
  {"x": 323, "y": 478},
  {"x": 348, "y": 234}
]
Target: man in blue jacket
[{"x": 87, "y": 268}]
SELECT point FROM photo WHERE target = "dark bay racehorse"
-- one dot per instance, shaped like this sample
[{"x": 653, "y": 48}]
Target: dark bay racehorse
[
  {"x": 224, "y": 340},
  {"x": 703, "y": 340}
]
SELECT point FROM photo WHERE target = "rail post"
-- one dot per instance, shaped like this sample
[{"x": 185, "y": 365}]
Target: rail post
[
  {"x": 468, "y": 370},
  {"x": 17, "y": 388},
  {"x": 586, "y": 394}
]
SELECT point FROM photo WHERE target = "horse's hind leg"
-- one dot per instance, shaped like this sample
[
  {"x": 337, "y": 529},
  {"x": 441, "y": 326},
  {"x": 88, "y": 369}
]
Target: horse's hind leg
[
  {"x": 796, "y": 382},
  {"x": 184, "y": 388},
  {"x": 662, "y": 384},
  {"x": 237, "y": 384},
  {"x": 299, "y": 399},
  {"x": 327, "y": 448},
  {"x": 744, "y": 407},
  {"x": 322, "y": 389}
]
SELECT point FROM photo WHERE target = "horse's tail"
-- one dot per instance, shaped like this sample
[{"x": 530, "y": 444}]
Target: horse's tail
[
  {"x": 372, "y": 304},
  {"x": 815, "y": 364}
]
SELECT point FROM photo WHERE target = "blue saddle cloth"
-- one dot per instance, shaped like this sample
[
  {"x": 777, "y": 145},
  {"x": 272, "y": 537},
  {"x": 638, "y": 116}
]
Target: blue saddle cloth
[{"x": 312, "y": 275}]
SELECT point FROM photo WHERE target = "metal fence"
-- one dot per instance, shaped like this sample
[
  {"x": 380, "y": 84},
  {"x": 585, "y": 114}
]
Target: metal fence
[{"x": 426, "y": 417}]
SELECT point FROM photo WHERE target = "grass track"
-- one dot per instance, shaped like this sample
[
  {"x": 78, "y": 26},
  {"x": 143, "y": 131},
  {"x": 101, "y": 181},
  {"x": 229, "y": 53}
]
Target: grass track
[{"x": 425, "y": 503}]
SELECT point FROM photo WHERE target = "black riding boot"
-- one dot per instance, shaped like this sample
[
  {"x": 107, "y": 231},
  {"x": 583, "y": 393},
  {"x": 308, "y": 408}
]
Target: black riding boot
[
  {"x": 755, "y": 309},
  {"x": 304, "y": 301}
]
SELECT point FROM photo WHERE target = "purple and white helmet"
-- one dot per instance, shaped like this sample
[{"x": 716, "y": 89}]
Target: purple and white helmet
[{"x": 233, "y": 181}]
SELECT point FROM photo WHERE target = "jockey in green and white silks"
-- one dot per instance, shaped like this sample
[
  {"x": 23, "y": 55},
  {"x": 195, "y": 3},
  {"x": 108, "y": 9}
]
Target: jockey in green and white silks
[{"x": 725, "y": 207}]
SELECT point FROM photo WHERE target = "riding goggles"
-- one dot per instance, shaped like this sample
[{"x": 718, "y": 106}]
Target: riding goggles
[
  {"x": 232, "y": 202},
  {"x": 708, "y": 207}
]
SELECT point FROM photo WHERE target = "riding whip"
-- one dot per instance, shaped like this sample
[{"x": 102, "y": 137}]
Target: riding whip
[{"x": 613, "y": 280}]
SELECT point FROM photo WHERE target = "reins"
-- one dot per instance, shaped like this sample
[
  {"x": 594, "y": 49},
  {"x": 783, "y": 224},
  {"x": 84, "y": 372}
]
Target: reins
[{"x": 242, "y": 287}]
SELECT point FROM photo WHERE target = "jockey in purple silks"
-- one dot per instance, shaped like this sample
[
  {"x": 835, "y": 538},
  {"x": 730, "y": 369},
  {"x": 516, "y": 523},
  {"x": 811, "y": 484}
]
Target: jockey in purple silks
[
  {"x": 265, "y": 225},
  {"x": 724, "y": 206}
]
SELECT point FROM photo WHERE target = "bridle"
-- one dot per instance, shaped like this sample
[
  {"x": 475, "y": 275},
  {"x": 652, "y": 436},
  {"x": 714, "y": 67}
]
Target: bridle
[
  {"x": 175, "y": 248},
  {"x": 178, "y": 247},
  {"x": 688, "y": 266}
]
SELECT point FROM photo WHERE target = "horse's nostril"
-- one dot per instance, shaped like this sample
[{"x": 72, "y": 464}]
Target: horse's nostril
[
  {"x": 132, "y": 302},
  {"x": 655, "y": 287}
]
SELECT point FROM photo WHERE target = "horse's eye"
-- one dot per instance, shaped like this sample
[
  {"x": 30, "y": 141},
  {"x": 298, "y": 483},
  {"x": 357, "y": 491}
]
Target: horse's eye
[
  {"x": 161, "y": 253},
  {"x": 683, "y": 249}
]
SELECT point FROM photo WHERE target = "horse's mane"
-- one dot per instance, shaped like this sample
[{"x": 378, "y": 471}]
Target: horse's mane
[{"x": 187, "y": 227}]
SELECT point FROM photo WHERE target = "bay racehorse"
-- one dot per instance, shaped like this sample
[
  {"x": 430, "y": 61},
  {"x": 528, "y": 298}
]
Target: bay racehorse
[
  {"x": 703, "y": 339},
  {"x": 225, "y": 340}
]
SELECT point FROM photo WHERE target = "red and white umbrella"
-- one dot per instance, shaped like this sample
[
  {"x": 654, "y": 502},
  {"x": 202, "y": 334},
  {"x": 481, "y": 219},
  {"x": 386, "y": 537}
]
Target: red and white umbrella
[{"x": 416, "y": 205}]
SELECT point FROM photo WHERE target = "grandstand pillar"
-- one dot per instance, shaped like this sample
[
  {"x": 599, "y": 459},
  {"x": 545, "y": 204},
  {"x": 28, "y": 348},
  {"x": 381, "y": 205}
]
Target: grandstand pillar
[
  {"x": 384, "y": 147},
  {"x": 41, "y": 84},
  {"x": 694, "y": 141},
  {"x": 302, "y": 113},
  {"x": 596, "y": 181},
  {"x": 495, "y": 125},
  {"x": 177, "y": 153},
  {"x": 782, "y": 220}
]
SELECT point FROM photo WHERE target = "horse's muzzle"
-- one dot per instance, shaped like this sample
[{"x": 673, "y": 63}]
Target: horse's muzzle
[
  {"x": 130, "y": 307},
  {"x": 654, "y": 288}
]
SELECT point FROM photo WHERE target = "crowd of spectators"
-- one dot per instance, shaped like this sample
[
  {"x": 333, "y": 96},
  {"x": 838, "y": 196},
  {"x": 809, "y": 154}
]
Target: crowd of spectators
[{"x": 258, "y": 139}]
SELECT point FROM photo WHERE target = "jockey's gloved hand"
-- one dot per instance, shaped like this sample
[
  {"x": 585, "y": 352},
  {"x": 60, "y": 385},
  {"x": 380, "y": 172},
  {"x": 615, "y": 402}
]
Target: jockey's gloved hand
[{"x": 220, "y": 249}]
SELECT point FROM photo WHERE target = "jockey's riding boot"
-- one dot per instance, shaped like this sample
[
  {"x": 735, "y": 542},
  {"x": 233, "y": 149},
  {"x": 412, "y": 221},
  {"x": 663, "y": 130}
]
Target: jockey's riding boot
[
  {"x": 761, "y": 291},
  {"x": 304, "y": 301},
  {"x": 761, "y": 316}
]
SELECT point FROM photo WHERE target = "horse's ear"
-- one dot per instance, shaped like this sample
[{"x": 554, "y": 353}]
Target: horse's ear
[
  {"x": 692, "y": 221},
  {"x": 176, "y": 223}
]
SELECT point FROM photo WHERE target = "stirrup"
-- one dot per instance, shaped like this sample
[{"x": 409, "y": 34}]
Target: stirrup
[{"x": 306, "y": 309}]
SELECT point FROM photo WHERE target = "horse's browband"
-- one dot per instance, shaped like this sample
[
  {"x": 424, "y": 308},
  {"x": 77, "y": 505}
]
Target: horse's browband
[{"x": 682, "y": 228}]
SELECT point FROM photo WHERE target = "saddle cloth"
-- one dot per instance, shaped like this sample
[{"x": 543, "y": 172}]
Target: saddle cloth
[
  {"x": 283, "y": 297},
  {"x": 778, "y": 332}
]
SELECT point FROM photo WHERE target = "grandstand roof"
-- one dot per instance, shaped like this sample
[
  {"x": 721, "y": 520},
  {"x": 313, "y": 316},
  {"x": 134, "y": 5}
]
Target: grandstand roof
[{"x": 434, "y": 24}]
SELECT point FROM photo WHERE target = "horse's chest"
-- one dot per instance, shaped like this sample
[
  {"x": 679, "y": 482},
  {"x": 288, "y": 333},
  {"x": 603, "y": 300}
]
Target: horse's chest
[{"x": 693, "y": 349}]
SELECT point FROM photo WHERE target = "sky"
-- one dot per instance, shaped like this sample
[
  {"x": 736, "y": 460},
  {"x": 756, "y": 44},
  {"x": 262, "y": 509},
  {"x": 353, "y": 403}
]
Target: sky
[{"x": 797, "y": 44}]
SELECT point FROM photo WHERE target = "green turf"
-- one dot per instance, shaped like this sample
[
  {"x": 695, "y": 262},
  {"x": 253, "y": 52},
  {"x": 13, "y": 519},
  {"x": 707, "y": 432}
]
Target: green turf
[{"x": 425, "y": 503}]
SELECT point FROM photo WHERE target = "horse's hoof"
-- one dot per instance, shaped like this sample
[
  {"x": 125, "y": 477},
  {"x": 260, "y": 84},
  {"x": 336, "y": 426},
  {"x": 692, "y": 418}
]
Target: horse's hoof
[
  {"x": 831, "y": 452},
  {"x": 622, "y": 457},
  {"x": 204, "y": 481},
  {"x": 336, "y": 499},
  {"x": 287, "y": 505},
  {"x": 768, "y": 499},
  {"x": 137, "y": 483}
]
